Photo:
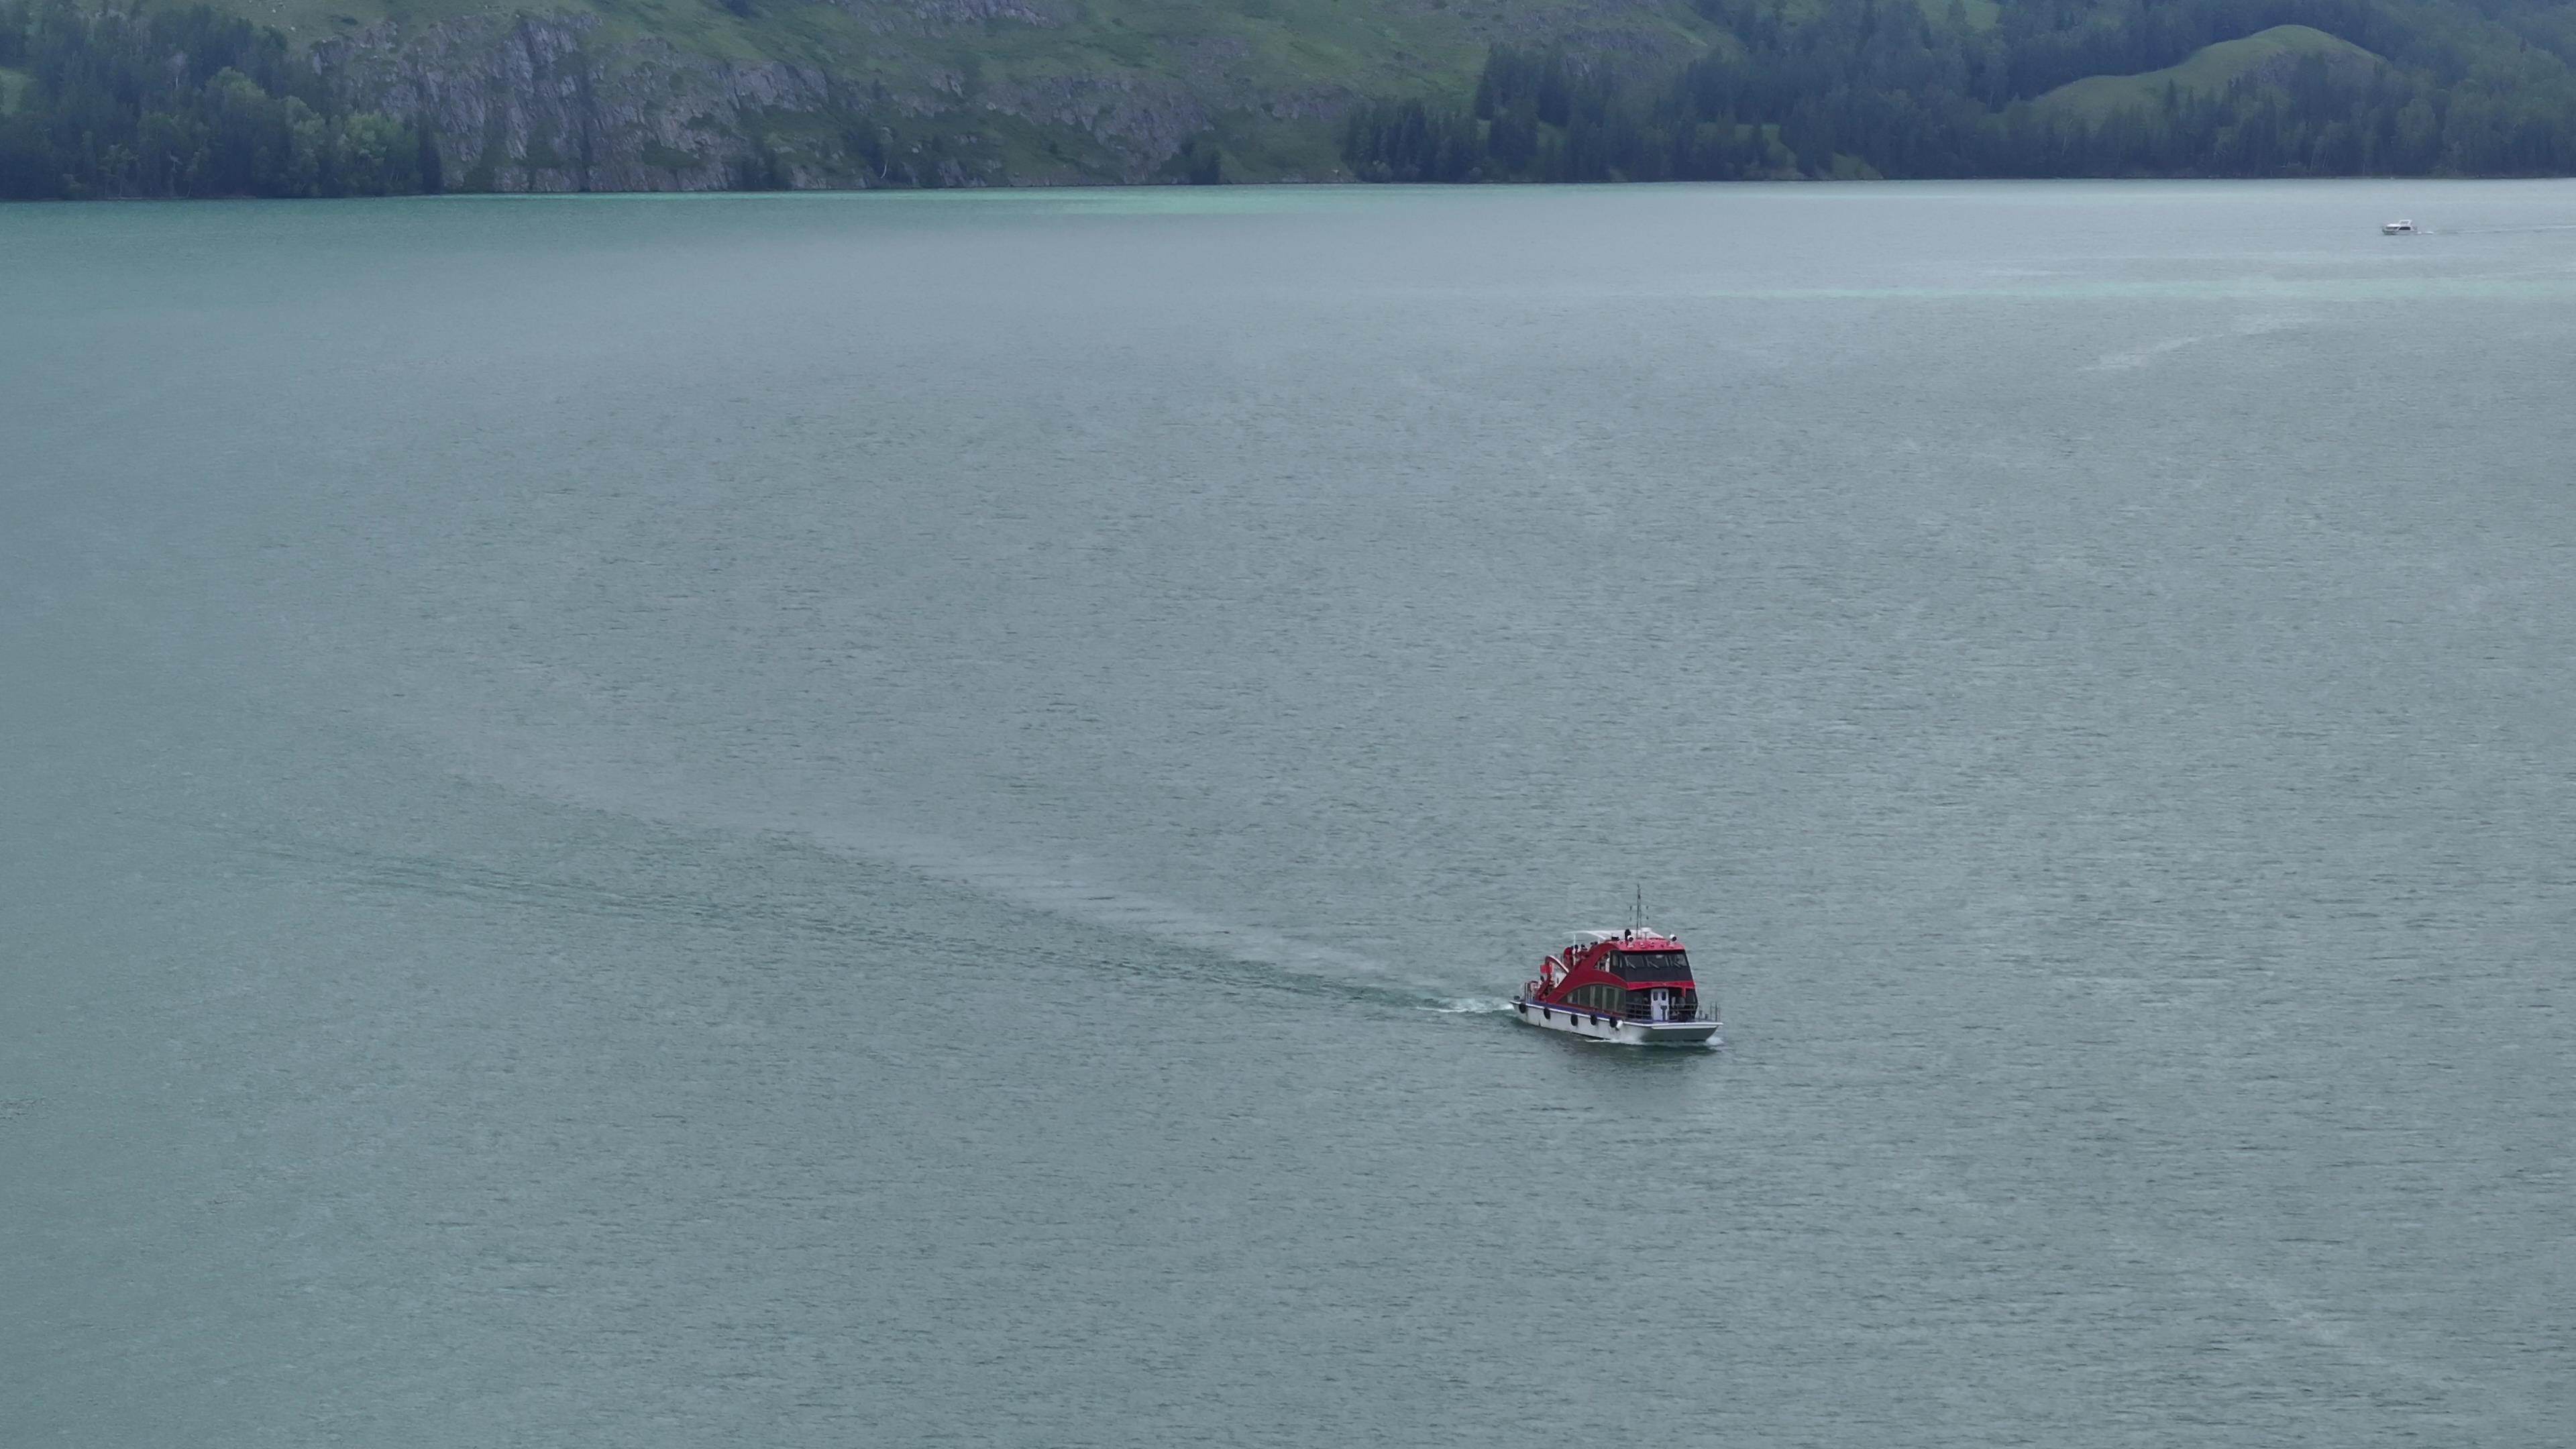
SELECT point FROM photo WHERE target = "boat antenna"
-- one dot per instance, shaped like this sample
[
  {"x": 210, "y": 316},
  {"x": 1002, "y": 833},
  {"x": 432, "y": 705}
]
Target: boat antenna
[{"x": 1637, "y": 913}]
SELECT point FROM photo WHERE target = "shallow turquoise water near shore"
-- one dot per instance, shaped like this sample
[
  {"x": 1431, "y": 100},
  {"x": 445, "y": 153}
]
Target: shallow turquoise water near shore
[{"x": 900, "y": 819}]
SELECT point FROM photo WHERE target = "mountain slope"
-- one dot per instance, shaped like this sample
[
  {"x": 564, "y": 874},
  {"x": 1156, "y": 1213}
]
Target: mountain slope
[
  {"x": 1870, "y": 88},
  {"x": 2267, "y": 56},
  {"x": 337, "y": 97},
  {"x": 652, "y": 94}
]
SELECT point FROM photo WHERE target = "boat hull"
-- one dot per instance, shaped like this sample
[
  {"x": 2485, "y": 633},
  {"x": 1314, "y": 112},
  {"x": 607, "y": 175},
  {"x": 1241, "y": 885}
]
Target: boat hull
[{"x": 1598, "y": 1027}]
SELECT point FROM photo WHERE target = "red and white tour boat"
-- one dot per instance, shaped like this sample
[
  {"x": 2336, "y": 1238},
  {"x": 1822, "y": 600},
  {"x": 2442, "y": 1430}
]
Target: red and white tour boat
[{"x": 1630, "y": 986}]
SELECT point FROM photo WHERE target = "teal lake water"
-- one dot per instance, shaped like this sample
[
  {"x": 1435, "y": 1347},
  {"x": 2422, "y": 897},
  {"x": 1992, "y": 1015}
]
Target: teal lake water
[{"x": 904, "y": 819}]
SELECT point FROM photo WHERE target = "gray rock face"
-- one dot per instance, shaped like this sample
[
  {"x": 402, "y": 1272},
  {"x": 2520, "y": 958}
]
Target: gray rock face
[
  {"x": 976, "y": 12},
  {"x": 1138, "y": 119},
  {"x": 544, "y": 103},
  {"x": 533, "y": 103},
  {"x": 551, "y": 102}
]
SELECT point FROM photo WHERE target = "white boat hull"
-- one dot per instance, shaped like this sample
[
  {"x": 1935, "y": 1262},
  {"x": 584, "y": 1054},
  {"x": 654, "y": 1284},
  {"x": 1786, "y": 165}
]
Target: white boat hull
[{"x": 1600, "y": 1027}]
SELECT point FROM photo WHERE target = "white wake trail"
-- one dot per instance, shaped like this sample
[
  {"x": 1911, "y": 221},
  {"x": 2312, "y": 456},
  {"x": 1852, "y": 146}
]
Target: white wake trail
[{"x": 1065, "y": 891}]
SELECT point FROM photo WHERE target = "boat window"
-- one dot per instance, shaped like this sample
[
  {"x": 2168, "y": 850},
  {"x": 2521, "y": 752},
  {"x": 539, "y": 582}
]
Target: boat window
[
  {"x": 1653, "y": 965},
  {"x": 1596, "y": 997}
]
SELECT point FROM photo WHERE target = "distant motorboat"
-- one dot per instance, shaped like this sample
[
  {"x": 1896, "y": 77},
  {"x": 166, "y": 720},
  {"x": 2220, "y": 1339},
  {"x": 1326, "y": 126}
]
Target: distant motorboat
[{"x": 2397, "y": 228}]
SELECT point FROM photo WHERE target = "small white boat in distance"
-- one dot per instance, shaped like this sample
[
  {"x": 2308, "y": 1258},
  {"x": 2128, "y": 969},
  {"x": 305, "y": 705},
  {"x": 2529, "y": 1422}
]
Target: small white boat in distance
[{"x": 2397, "y": 228}]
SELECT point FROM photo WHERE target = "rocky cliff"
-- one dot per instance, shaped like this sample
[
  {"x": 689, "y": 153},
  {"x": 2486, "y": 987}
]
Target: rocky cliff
[
  {"x": 545, "y": 102},
  {"x": 928, "y": 92}
]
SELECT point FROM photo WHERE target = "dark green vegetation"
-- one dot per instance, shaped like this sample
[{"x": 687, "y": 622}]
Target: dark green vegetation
[
  {"x": 1865, "y": 88},
  {"x": 567, "y": 95},
  {"x": 182, "y": 102},
  {"x": 363, "y": 97}
]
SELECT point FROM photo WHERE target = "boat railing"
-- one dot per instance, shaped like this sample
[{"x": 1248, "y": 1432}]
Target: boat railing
[
  {"x": 1699, "y": 1009},
  {"x": 1702, "y": 1012},
  {"x": 1688, "y": 1007}
]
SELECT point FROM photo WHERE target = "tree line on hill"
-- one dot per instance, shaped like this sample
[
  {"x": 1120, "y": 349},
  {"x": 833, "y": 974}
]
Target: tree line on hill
[
  {"x": 1886, "y": 88},
  {"x": 184, "y": 101}
]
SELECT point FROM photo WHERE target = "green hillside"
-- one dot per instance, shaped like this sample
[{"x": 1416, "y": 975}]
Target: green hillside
[
  {"x": 2269, "y": 54},
  {"x": 692, "y": 94},
  {"x": 1059, "y": 90},
  {"x": 339, "y": 97},
  {"x": 1887, "y": 88},
  {"x": 1979, "y": 14}
]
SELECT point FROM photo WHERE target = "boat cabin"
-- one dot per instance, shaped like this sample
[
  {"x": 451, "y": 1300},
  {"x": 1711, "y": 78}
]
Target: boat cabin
[{"x": 1634, "y": 975}]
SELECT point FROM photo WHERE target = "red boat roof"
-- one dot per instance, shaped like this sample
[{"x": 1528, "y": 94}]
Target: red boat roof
[{"x": 1632, "y": 960}]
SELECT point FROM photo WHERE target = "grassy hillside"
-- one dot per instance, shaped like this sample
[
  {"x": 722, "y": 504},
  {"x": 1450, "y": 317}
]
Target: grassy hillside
[
  {"x": 693, "y": 94},
  {"x": 1863, "y": 88},
  {"x": 334, "y": 97},
  {"x": 1265, "y": 79},
  {"x": 2266, "y": 55}
]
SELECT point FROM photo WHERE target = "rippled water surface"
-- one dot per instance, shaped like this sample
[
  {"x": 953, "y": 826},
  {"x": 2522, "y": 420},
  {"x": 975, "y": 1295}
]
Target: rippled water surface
[{"x": 903, "y": 820}]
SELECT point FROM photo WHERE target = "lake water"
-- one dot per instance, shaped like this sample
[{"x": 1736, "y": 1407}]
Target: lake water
[{"x": 905, "y": 819}]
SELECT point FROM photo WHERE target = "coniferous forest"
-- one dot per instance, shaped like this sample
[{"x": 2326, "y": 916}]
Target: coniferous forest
[
  {"x": 1888, "y": 88},
  {"x": 176, "y": 100},
  {"x": 183, "y": 101}
]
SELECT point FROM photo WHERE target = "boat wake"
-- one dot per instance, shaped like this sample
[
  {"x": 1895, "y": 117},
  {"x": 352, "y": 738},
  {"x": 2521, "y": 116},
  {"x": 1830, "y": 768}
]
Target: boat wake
[
  {"x": 1260, "y": 957},
  {"x": 1060, "y": 889},
  {"x": 2496, "y": 230},
  {"x": 1067, "y": 892},
  {"x": 2142, "y": 356}
]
